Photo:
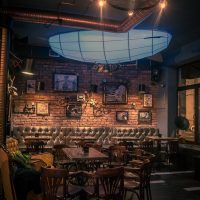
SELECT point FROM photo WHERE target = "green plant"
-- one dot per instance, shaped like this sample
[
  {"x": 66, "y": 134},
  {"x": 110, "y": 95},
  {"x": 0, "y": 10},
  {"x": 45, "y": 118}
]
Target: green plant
[{"x": 182, "y": 123}]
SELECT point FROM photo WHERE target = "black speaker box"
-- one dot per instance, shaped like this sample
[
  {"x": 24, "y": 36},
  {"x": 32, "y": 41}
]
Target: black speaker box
[{"x": 155, "y": 74}]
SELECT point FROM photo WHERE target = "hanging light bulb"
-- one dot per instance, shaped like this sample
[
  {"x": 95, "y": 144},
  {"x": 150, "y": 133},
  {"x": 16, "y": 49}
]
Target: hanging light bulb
[
  {"x": 102, "y": 3},
  {"x": 130, "y": 13},
  {"x": 163, "y": 4}
]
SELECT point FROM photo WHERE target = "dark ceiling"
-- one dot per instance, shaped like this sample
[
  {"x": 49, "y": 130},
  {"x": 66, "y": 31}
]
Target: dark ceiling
[{"x": 181, "y": 18}]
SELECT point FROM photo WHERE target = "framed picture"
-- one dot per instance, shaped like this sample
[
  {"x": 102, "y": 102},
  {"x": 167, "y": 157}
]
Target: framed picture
[
  {"x": 114, "y": 93},
  {"x": 122, "y": 116},
  {"x": 30, "y": 86},
  {"x": 74, "y": 110},
  {"x": 65, "y": 82},
  {"x": 42, "y": 108},
  {"x": 144, "y": 116},
  {"x": 148, "y": 101},
  {"x": 24, "y": 107}
]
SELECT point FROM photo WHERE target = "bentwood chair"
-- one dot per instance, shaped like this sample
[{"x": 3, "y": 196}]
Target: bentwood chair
[
  {"x": 55, "y": 184},
  {"x": 108, "y": 184},
  {"x": 139, "y": 182}
]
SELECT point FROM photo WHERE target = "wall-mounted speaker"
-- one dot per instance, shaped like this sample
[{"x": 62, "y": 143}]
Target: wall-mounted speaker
[
  {"x": 41, "y": 85},
  {"x": 155, "y": 74}
]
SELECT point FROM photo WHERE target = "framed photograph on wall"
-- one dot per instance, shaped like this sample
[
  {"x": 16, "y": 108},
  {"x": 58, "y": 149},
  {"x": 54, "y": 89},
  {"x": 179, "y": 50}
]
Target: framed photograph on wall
[
  {"x": 42, "y": 108},
  {"x": 148, "y": 101},
  {"x": 144, "y": 116},
  {"x": 24, "y": 107},
  {"x": 65, "y": 82},
  {"x": 30, "y": 86},
  {"x": 74, "y": 110},
  {"x": 122, "y": 116},
  {"x": 114, "y": 93}
]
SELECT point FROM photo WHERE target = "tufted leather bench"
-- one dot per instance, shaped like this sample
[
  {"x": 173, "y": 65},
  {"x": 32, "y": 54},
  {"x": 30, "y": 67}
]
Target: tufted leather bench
[{"x": 67, "y": 135}]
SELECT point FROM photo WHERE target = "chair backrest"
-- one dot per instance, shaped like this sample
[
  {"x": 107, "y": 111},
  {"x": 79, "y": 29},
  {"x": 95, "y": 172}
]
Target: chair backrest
[
  {"x": 118, "y": 153},
  {"x": 112, "y": 182},
  {"x": 34, "y": 146},
  {"x": 173, "y": 147},
  {"x": 6, "y": 174},
  {"x": 51, "y": 180},
  {"x": 147, "y": 146}
]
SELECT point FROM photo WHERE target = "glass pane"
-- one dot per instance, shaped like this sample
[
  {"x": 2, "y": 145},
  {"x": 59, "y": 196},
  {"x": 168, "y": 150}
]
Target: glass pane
[
  {"x": 186, "y": 108},
  {"x": 198, "y": 136}
]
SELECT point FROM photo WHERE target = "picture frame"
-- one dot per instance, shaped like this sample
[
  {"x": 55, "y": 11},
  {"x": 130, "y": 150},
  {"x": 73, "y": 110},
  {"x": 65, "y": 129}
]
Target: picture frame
[
  {"x": 24, "y": 107},
  {"x": 74, "y": 110},
  {"x": 144, "y": 117},
  {"x": 122, "y": 116},
  {"x": 148, "y": 101},
  {"x": 30, "y": 86},
  {"x": 65, "y": 82},
  {"x": 42, "y": 108},
  {"x": 115, "y": 93}
]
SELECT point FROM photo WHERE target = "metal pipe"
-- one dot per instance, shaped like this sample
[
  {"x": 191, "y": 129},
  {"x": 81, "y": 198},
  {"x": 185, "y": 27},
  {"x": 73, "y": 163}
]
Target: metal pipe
[
  {"x": 3, "y": 81},
  {"x": 78, "y": 21}
]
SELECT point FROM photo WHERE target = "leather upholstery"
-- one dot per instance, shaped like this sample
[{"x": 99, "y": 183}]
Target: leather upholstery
[{"x": 65, "y": 135}]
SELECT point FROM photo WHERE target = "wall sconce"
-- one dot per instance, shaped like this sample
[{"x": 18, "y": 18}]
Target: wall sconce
[
  {"x": 141, "y": 88},
  {"x": 28, "y": 67}
]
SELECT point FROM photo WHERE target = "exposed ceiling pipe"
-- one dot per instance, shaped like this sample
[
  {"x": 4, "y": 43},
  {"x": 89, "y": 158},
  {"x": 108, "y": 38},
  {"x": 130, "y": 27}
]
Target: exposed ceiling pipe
[{"x": 78, "y": 21}]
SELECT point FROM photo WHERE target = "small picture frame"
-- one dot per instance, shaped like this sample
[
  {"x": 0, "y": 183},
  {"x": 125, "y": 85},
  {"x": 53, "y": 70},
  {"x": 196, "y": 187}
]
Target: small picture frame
[
  {"x": 122, "y": 116},
  {"x": 115, "y": 93},
  {"x": 30, "y": 86},
  {"x": 148, "y": 101},
  {"x": 74, "y": 110},
  {"x": 65, "y": 82},
  {"x": 81, "y": 97},
  {"x": 144, "y": 117},
  {"x": 42, "y": 108}
]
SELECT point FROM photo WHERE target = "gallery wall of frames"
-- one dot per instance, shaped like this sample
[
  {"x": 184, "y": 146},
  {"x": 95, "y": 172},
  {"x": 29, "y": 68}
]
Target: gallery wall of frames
[{"x": 72, "y": 95}]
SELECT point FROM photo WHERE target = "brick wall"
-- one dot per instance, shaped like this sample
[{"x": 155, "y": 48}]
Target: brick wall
[{"x": 57, "y": 113}]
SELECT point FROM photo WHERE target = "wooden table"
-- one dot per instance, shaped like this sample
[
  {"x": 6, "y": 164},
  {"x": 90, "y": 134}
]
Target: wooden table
[
  {"x": 156, "y": 138},
  {"x": 78, "y": 154},
  {"x": 85, "y": 161}
]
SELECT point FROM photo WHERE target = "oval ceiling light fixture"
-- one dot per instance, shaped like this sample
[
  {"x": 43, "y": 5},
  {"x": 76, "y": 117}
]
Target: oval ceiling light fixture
[{"x": 109, "y": 48}]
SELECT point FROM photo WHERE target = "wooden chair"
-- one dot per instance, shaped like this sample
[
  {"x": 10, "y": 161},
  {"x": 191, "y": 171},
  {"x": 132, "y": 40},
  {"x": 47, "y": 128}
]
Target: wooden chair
[
  {"x": 139, "y": 182},
  {"x": 118, "y": 156},
  {"x": 7, "y": 177},
  {"x": 108, "y": 184},
  {"x": 55, "y": 184},
  {"x": 33, "y": 146},
  {"x": 172, "y": 150},
  {"x": 147, "y": 146}
]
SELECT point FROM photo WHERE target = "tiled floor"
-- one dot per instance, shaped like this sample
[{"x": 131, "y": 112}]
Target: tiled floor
[{"x": 175, "y": 186}]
